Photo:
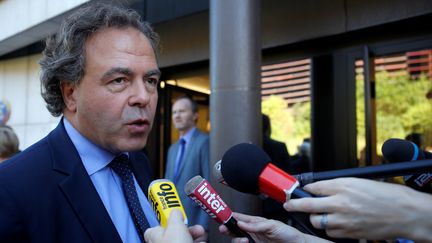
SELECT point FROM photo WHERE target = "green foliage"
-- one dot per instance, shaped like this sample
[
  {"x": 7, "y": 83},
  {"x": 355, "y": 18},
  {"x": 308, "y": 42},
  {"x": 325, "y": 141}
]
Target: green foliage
[
  {"x": 401, "y": 105},
  {"x": 302, "y": 120},
  {"x": 281, "y": 120},
  {"x": 289, "y": 125}
]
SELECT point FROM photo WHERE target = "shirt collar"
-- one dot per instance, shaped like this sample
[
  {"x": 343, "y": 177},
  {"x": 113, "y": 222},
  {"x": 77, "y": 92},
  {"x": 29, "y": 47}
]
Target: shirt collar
[
  {"x": 93, "y": 157},
  {"x": 187, "y": 137}
]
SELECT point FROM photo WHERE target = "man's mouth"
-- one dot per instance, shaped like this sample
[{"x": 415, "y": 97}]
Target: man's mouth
[
  {"x": 139, "y": 125},
  {"x": 139, "y": 122}
]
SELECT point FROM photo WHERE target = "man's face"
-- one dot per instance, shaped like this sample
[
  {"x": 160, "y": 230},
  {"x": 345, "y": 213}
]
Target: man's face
[
  {"x": 183, "y": 116},
  {"x": 115, "y": 102}
]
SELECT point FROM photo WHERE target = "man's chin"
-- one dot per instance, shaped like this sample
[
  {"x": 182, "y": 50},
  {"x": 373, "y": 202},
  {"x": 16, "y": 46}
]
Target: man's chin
[{"x": 131, "y": 147}]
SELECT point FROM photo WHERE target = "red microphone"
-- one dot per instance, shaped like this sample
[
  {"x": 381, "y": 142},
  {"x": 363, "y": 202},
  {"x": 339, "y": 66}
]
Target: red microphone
[
  {"x": 276, "y": 183},
  {"x": 247, "y": 168},
  {"x": 202, "y": 193}
]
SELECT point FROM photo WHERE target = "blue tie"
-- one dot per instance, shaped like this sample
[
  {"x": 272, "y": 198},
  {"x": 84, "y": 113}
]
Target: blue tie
[
  {"x": 179, "y": 160},
  {"x": 121, "y": 167}
]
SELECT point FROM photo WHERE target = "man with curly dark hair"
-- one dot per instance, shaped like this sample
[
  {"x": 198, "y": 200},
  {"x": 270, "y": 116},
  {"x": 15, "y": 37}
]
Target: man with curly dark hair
[{"x": 87, "y": 180}]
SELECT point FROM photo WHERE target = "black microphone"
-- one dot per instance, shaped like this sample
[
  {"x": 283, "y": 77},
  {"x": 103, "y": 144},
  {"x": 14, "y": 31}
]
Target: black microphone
[
  {"x": 375, "y": 171},
  {"x": 396, "y": 150},
  {"x": 247, "y": 168}
]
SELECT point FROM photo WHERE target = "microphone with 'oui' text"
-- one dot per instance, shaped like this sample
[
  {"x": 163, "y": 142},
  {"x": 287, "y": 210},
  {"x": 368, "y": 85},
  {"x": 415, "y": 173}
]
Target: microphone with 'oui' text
[
  {"x": 397, "y": 150},
  {"x": 163, "y": 198},
  {"x": 202, "y": 193},
  {"x": 247, "y": 168}
]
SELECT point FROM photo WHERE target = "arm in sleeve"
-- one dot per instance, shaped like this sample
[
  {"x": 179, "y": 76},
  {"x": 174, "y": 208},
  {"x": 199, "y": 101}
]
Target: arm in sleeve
[
  {"x": 11, "y": 230},
  {"x": 204, "y": 161}
]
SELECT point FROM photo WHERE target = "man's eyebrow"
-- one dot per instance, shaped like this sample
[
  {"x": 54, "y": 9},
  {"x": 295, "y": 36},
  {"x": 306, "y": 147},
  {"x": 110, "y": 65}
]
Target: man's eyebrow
[
  {"x": 117, "y": 70},
  {"x": 154, "y": 72}
]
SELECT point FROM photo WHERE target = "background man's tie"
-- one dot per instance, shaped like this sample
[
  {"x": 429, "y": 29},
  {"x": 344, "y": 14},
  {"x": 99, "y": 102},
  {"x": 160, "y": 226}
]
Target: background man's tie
[{"x": 179, "y": 161}]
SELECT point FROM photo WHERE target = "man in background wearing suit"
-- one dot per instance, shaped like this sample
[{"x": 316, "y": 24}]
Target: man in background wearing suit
[
  {"x": 86, "y": 181},
  {"x": 280, "y": 157},
  {"x": 189, "y": 156}
]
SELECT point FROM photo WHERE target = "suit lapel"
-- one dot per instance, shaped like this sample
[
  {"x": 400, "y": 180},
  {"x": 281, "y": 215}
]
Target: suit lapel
[
  {"x": 79, "y": 190},
  {"x": 171, "y": 160}
]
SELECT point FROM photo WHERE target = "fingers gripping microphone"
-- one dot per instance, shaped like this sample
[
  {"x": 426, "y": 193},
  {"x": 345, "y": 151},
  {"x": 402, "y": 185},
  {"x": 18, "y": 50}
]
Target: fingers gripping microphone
[
  {"x": 247, "y": 168},
  {"x": 398, "y": 150},
  {"x": 202, "y": 193},
  {"x": 163, "y": 198}
]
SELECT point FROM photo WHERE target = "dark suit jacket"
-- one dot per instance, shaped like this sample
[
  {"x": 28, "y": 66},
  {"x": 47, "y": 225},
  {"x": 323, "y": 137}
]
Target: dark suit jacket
[
  {"x": 46, "y": 195},
  {"x": 280, "y": 157},
  {"x": 195, "y": 162},
  {"x": 277, "y": 152}
]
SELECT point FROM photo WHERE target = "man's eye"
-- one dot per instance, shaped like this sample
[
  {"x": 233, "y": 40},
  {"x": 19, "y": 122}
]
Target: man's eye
[
  {"x": 118, "y": 81},
  {"x": 118, "y": 84},
  {"x": 152, "y": 81}
]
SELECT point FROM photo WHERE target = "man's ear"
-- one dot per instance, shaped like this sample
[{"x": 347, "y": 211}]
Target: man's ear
[
  {"x": 68, "y": 91},
  {"x": 195, "y": 117}
]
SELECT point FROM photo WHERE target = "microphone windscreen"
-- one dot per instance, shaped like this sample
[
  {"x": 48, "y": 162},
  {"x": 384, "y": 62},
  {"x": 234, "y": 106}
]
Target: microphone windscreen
[
  {"x": 398, "y": 150},
  {"x": 192, "y": 184},
  {"x": 242, "y": 165}
]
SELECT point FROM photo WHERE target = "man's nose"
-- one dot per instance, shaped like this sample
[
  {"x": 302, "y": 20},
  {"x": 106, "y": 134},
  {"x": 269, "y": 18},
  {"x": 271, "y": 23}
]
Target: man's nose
[{"x": 140, "y": 95}]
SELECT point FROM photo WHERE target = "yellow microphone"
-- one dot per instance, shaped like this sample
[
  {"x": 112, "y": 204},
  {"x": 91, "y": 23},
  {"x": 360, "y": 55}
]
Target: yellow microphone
[{"x": 163, "y": 198}]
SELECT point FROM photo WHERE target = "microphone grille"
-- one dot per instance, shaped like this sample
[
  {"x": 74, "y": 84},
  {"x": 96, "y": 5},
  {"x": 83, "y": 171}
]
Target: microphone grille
[
  {"x": 398, "y": 150},
  {"x": 241, "y": 166},
  {"x": 192, "y": 184}
]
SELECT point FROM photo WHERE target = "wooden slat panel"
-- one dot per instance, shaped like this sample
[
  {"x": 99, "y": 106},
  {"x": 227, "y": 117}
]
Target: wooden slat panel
[
  {"x": 285, "y": 83},
  {"x": 285, "y": 64},
  {"x": 286, "y": 89}
]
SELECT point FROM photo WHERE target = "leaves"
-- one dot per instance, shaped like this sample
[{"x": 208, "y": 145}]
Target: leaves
[{"x": 401, "y": 108}]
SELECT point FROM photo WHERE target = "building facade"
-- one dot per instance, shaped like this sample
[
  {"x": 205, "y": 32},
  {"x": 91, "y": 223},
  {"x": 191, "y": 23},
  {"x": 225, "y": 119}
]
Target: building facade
[{"x": 206, "y": 43}]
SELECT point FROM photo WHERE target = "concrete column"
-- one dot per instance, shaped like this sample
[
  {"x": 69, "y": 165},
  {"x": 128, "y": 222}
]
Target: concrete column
[{"x": 235, "y": 100}]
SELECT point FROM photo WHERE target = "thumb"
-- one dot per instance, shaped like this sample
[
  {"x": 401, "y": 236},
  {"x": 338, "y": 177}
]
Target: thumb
[
  {"x": 175, "y": 218},
  {"x": 152, "y": 234}
]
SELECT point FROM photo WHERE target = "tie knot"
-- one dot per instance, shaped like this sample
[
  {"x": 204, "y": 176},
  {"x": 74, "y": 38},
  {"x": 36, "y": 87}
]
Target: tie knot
[
  {"x": 120, "y": 159},
  {"x": 182, "y": 141},
  {"x": 120, "y": 164}
]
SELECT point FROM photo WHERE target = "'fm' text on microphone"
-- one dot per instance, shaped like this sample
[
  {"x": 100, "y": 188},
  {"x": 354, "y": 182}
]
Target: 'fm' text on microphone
[{"x": 163, "y": 198}]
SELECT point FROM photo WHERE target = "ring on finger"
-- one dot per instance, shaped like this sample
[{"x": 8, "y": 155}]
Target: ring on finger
[{"x": 324, "y": 221}]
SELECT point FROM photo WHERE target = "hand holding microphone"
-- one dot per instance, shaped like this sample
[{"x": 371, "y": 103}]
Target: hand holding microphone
[
  {"x": 174, "y": 230},
  {"x": 164, "y": 199},
  {"x": 265, "y": 230},
  {"x": 361, "y": 208},
  {"x": 366, "y": 209}
]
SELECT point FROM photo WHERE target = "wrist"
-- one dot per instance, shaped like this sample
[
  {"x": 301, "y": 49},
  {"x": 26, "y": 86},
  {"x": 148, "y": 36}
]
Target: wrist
[
  {"x": 305, "y": 238},
  {"x": 419, "y": 213}
]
